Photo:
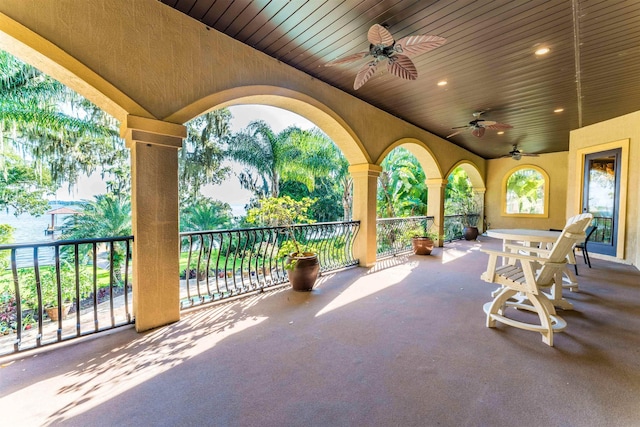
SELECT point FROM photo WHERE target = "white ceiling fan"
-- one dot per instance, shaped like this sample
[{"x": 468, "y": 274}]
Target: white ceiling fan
[{"x": 398, "y": 54}]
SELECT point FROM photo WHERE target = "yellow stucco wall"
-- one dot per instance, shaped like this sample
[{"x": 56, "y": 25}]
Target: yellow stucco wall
[
  {"x": 555, "y": 165},
  {"x": 621, "y": 131}
]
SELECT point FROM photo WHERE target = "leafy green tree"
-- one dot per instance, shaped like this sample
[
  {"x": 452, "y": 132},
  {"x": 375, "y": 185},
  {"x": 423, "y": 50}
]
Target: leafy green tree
[
  {"x": 457, "y": 190},
  {"x": 525, "y": 187},
  {"x": 326, "y": 193},
  {"x": 202, "y": 154},
  {"x": 460, "y": 198},
  {"x": 21, "y": 188},
  {"x": 6, "y": 236},
  {"x": 283, "y": 212},
  {"x": 52, "y": 126},
  {"x": 402, "y": 188},
  {"x": 206, "y": 214}
]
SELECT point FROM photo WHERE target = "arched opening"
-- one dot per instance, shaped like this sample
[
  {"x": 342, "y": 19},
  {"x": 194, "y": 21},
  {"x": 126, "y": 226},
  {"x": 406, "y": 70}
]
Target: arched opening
[
  {"x": 406, "y": 197},
  {"x": 464, "y": 202},
  {"x": 360, "y": 166},
  {"x": 321, "y": 115}
]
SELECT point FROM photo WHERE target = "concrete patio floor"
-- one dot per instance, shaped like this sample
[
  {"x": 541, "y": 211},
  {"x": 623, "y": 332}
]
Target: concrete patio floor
[{"x": 401, "y": 344}]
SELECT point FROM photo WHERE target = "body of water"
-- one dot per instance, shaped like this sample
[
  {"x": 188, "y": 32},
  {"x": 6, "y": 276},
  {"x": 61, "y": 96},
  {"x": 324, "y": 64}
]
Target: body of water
[{"x": 31, "y": 229}]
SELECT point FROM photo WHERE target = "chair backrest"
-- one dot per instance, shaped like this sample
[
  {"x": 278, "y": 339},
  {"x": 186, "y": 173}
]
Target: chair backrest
[{"x": 573, "y": 232}]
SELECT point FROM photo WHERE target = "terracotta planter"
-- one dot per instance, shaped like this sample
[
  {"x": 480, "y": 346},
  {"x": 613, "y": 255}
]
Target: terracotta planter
[
  {"x": 52, "y": 312},
  {"x": 470, "y": 233},
  {"x": 422, "y": 245},
  {"x": 305, "y": 271}
]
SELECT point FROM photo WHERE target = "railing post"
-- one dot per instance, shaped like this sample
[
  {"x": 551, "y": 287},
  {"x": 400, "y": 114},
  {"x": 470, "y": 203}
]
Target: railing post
[
  {"x": 365, "y": 185},
  {"x": 154, "y": 213},
  {"x": 435, "y": 205}
]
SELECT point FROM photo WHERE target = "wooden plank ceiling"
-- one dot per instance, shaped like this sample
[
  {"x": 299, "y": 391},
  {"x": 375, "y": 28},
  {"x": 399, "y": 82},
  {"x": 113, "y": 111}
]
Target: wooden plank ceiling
[{"x": 592, "y": 70}]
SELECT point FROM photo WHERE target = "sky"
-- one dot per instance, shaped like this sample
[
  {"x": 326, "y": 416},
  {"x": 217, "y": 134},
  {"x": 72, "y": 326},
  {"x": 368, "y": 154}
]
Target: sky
[{"x": 230, "y": 190}]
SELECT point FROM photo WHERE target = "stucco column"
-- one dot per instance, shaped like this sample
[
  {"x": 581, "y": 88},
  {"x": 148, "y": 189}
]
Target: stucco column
[
  {"x": 435, "y": 205},
  {"x": 154, "y": 214},
  {"x": 478, "y": 193},
  {"x": 365, "y": 186}
]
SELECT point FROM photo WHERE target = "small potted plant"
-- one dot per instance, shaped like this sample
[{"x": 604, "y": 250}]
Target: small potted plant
[
  {"x": 50, "y": 298},
  {"x": 422, "y": 240},
  {"x": 301, "y": 261}
]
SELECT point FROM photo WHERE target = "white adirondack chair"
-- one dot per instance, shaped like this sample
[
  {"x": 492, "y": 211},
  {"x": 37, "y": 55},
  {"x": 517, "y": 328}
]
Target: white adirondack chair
[{"x": 526, "y": 275}]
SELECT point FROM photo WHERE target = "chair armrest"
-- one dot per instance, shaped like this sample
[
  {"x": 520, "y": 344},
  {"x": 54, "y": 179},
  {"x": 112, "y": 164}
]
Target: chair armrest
[
  {"x": 530, "y": 249},
  {"x": 515, "y": 255}
]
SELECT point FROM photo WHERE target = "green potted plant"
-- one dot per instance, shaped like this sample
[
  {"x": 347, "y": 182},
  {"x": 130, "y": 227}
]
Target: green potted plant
[
  {"x": 301, "y": 261},
  {"x": 422, "y": 240}
]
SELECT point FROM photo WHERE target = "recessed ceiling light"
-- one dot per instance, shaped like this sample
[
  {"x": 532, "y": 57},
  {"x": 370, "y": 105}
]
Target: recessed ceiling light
[
  {"x": 558, "y": 110},
  {"x": 442, "y": 83},
  {"x": 542, "y": 51},
  {"x": 501, "y": 132}
]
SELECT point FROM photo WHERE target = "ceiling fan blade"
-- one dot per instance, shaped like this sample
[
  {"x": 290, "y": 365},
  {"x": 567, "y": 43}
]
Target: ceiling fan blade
[
  {"x": 365, "y": 74},
  {"x": 479, "y": 131},
  {"x": 461, "y": 127},
  {"x": 415, "y": 45},
  {"x": 346, "y": 59},
  {"x": 529, "y": 154},
  {"x": 495, "y": 125},
  {"x": 455, "y": 133},
  {"x": 403, "y": 67},
  {"x": 379, "y": 35}
]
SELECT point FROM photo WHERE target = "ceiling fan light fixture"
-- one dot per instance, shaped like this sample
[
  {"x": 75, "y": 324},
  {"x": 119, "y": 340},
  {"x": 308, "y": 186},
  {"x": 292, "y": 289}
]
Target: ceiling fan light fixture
[{"x": 479, "y": 131}]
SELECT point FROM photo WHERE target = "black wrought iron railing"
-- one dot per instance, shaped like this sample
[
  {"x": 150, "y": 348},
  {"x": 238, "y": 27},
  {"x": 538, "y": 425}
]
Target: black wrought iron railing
[
  {"x": 51, "y": 292},
  {"x": 221, "y": 264},
  {"x": 394, "y": 234}
]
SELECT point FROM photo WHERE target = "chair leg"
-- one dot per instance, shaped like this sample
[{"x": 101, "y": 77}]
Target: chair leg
[
  {"x": 575, "y": 264},
  {"x": 586, "y": 256}
]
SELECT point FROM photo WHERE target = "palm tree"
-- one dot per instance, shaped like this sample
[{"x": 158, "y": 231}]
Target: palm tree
[
  {"x": 206, "y": 214},
  {"x": 106, "y": 216},
  {"x": 293, "y": 154}
]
